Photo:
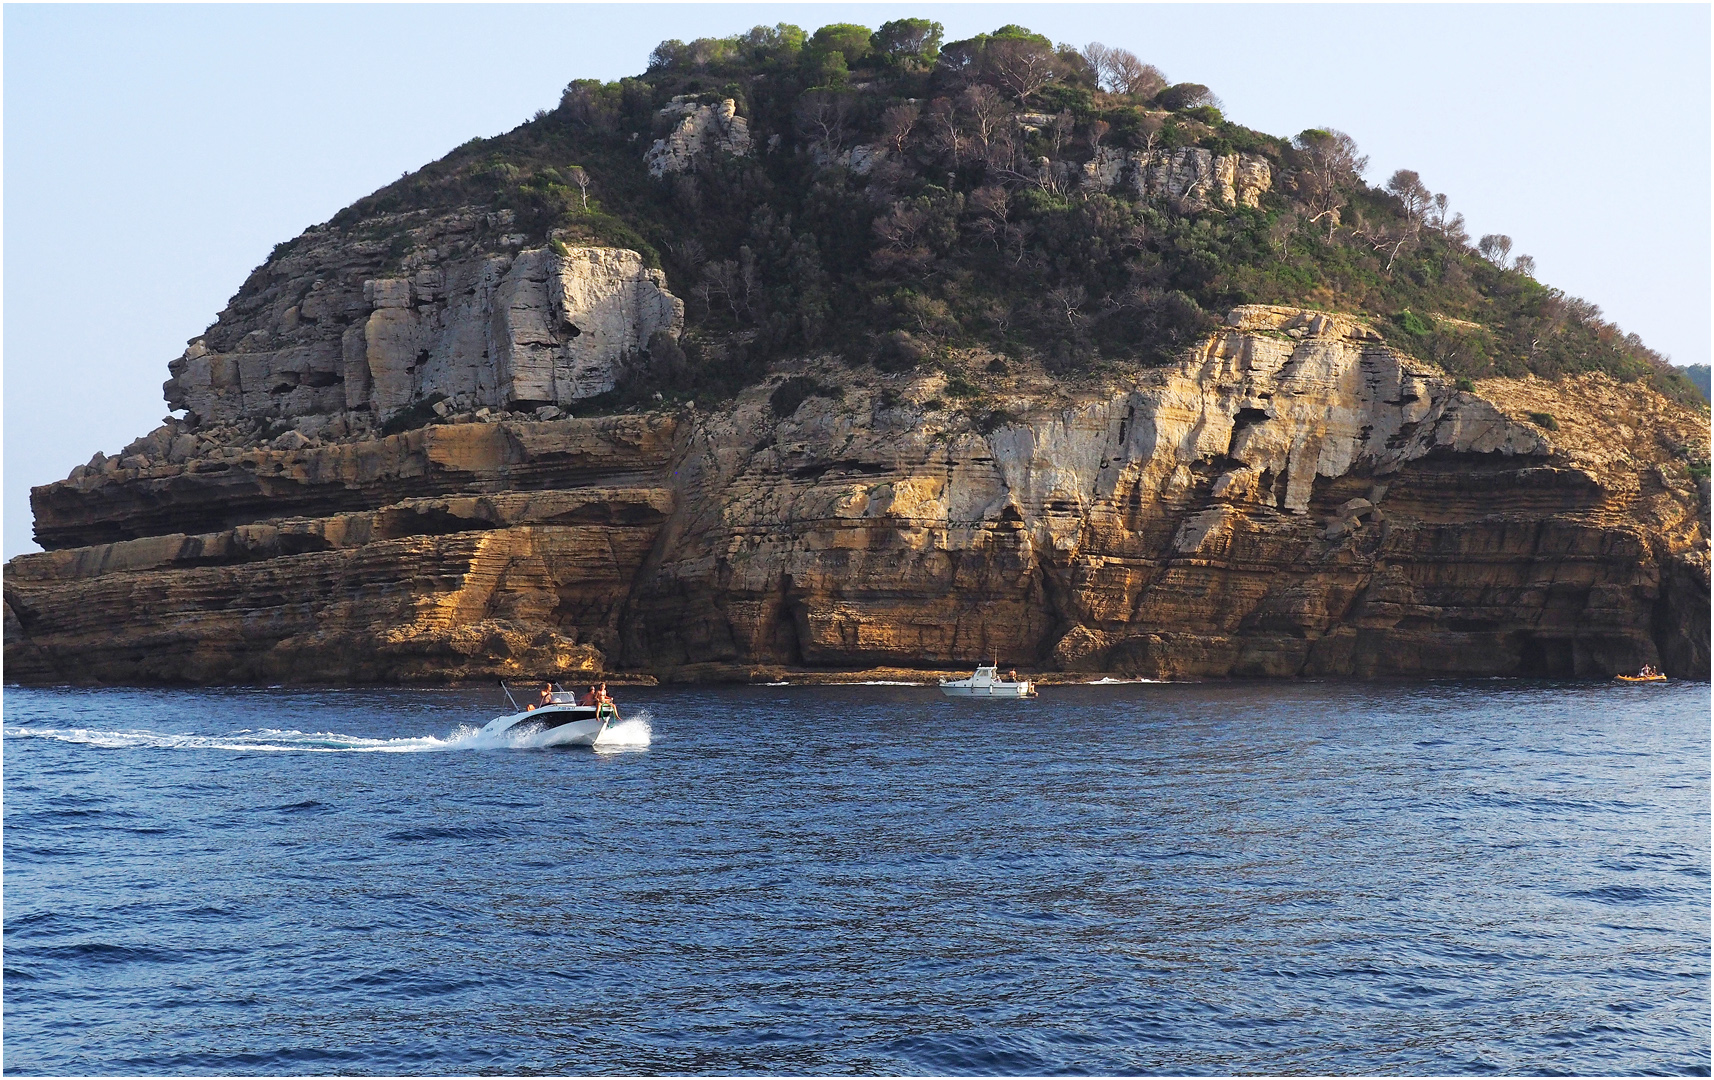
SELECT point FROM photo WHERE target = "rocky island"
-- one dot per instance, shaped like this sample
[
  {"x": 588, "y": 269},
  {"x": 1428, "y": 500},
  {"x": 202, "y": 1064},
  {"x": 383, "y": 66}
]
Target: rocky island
[{"x": 858, "y": 349}]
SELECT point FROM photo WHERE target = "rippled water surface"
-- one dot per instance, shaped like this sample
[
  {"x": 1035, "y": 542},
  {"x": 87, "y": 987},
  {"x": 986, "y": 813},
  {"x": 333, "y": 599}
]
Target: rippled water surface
[{"x": 1342, "y": 878}]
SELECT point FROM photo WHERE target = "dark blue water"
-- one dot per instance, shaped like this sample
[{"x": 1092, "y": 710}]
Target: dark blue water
[{"x": 1325, "y": 878}]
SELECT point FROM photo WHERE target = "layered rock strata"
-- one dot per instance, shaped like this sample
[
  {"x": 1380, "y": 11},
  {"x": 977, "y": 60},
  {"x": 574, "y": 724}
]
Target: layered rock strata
[
  {"x": 445, "y": 552},
  {"x": 1294, "y": 498}
]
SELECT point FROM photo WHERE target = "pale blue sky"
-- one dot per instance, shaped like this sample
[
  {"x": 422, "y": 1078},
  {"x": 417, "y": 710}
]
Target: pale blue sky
[{"x": 154, "y": 155}]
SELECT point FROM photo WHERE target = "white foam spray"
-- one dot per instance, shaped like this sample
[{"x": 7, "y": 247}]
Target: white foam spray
[
  {"x": 629, "y": 735},
  {"x": 633, "y": 733},
  {"x": 866, "y": 682}
]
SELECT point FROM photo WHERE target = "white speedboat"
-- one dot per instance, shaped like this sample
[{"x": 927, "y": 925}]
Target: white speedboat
[
  {"x": 569, "y": 723},
  {"x": 986, "y": 683}
]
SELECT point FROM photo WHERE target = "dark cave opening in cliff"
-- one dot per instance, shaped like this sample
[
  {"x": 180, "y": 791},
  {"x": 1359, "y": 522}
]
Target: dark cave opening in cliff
[
  {"x": 394, "y": 524},
  {"x": 1547, "y": 658}
]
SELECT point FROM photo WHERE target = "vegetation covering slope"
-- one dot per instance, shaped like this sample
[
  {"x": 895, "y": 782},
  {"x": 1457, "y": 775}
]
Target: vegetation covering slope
[
  {"x": 975, "y": 227},
  {"x": 1698, "y": 375}
]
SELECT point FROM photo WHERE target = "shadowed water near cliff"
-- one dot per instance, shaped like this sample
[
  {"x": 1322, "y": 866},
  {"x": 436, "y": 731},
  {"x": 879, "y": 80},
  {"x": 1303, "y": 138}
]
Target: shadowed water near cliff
[{"x": 1451, "y": 877}]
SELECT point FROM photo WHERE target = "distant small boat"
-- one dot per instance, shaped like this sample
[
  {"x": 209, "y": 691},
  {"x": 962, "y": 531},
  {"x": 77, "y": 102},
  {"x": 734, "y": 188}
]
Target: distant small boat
[
  {"x": 1656, "y": 677},
  {"x": 986, "y": 682}
]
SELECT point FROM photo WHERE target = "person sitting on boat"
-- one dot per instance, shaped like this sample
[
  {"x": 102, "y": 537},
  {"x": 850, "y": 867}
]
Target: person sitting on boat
[
  {"x": 601, "y": 697},
  {"x": 587, "y": 699}
]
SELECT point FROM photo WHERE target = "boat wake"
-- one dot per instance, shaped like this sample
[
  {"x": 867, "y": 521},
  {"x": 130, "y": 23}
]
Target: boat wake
[
  {"x": 869, "y": 682},
  {"x": 632, "y": 734}
]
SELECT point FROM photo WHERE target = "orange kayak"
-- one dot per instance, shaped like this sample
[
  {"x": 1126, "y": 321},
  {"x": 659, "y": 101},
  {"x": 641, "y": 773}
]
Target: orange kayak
[{"x": 1640, "y": 678}]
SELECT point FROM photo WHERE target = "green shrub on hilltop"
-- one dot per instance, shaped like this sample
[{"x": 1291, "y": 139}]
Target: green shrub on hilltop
[
  {"x": 968, "y": 228},
  {"x": 1697, "y": 374},
  {"x": 1412, "y": 324}
]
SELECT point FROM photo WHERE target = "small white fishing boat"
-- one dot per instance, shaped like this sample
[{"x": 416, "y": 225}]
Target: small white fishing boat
[
  {"x": 571, "y": 723},
  {"x": 986, "y": 683}
]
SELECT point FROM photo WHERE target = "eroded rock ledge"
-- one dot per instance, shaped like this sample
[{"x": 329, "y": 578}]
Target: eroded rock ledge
[{"x": 1295, "y": 498}]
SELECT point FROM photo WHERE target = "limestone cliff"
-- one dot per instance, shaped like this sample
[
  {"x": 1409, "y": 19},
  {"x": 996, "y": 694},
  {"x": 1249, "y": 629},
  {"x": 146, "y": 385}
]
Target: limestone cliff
[
  {"x": 1192, "y": 178},
  {"x": 337, "y": 333},
  {"x": 1294, "y": 497},
  {"x": 696, "y": 130}
]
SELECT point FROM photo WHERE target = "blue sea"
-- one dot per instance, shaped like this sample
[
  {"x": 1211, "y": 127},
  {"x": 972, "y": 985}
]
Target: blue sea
[{"x": 1340, "y": 877}]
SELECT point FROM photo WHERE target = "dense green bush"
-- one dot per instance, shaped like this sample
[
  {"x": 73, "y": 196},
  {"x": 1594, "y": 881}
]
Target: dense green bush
[
  {"x": 959, "y": 238},
  {"x": 1412, "y": 324}
]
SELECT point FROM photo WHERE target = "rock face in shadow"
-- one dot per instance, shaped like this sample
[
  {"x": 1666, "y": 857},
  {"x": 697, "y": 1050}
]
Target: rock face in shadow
[{"x": 1294, "y": 498}]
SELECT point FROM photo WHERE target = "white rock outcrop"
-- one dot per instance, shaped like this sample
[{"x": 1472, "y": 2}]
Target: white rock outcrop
[
  {"x": 1279, "y": 413},
  {"x": 1299, "y": 322},
  {"x": 522, "y": 330},
  {"x": 1190, "y": 176},
  {"x": 697, "y": 129},
  {"x": 863, "y": 158}
]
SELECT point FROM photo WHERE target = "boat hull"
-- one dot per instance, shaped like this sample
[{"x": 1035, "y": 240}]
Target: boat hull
[
  {"x": 1640, "y": 678},
  {"x": 1022, "y": 690},
  {"x": 556, "y": 725}
]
